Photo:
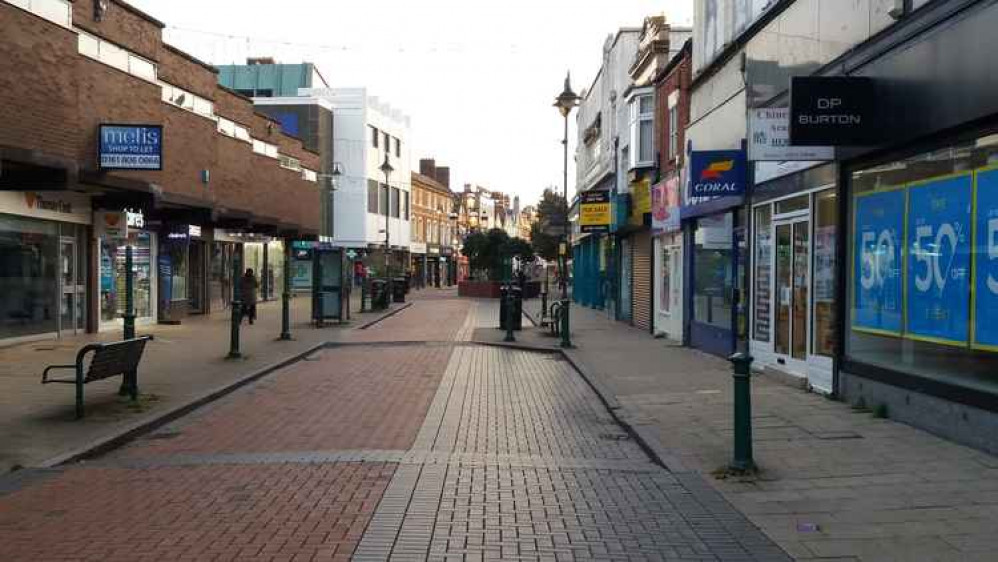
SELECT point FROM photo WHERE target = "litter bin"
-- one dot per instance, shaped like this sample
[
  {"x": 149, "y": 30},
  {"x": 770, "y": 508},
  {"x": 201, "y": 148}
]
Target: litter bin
[
  {"x": 379, "y": 294},
  {"x": 398, "y": 289}
]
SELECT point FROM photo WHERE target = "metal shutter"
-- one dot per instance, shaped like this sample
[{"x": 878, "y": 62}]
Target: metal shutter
[{"x": 641, "y": 280}]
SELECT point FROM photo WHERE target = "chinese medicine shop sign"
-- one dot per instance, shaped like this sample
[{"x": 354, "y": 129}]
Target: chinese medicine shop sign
[
  {"x": 716, "y": 173},
  {"x": 131, "y": 147},
  {"x": 594, "y": 211},
  {"x": 833, "y": 111}
]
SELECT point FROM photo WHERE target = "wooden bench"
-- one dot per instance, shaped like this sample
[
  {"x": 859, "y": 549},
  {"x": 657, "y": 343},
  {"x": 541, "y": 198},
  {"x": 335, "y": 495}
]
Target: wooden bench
[{"x": 108, "y": 360}]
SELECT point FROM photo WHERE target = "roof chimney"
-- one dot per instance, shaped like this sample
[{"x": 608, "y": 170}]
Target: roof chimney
[
  {"x": 428, "y": 167},
  {"x": 443, "y": 176}
]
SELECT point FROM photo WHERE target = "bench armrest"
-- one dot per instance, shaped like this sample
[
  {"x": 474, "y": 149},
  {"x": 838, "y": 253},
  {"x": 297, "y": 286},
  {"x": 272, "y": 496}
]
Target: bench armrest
[{"x": 45, "y": 373}]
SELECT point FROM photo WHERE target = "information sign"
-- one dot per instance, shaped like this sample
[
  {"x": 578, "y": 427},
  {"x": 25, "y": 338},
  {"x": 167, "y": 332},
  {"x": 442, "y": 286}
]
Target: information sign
[{"x": 986, "y": 265}]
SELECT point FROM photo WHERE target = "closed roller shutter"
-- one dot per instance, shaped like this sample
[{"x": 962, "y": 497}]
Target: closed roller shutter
[{"x": 641, "y": 280}]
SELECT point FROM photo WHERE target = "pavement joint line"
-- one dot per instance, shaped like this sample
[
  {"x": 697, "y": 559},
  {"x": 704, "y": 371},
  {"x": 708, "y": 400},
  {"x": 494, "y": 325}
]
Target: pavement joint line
[{"x": 385, "y": 316}]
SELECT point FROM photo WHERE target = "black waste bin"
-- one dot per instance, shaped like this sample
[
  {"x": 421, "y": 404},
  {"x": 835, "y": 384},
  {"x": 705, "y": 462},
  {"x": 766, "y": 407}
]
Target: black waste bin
[
  {"x": 379, "y": 294},
  {"x": 398, "y": 289}
]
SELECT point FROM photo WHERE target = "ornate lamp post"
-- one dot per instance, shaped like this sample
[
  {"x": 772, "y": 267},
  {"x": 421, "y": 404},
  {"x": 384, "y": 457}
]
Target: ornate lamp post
[
  {"x": 387, "y": 169},
  {"x": 565, "y": 102}
]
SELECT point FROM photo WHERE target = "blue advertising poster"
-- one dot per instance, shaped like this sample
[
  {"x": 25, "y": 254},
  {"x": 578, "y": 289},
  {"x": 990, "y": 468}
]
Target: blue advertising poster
[
  {"x": 938, "y": 275},
  {"x": 717, "y": 173},
  {"x": 131, "y": 147},
  {"x": 879, "y": 238},
  {"x": 986, "y": 265}
]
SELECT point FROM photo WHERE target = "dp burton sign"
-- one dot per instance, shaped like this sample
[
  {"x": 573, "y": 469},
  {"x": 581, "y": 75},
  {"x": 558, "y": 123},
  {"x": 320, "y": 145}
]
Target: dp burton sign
[{"x": 833, "y": 111}]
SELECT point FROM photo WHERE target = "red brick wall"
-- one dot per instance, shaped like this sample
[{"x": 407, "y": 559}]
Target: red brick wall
[
  {"x": 38, "y": 93},
  {"x": 679, "y": 78},
  {"x": 52, "y": 100},
  {"x": 121, "y": 25}
]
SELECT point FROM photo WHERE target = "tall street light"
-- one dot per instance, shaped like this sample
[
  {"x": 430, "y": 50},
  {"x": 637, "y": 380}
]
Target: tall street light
[
  {"x": 387, "y": 168},
  {"x": 566, "y": 101}
]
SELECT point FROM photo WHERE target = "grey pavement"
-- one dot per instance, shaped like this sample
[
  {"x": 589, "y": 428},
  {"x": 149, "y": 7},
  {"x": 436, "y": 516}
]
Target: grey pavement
[
  {"x": 519, "y": 460},
  {"x": 835, "y": 483}
]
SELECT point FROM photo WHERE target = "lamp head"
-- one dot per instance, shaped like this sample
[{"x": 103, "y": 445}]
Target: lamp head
[
  {"x": 386, "y": 166},
  {"x": 567, "y": 99}
]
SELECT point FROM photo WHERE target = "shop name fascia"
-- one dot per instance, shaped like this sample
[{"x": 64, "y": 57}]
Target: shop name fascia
[
  {"x": 717, "y": 188},
  {"x": 841, "y": 119}
]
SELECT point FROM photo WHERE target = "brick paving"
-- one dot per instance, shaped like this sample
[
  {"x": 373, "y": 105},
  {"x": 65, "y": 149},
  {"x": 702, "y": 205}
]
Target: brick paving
[{"x": 402, "y": 442}]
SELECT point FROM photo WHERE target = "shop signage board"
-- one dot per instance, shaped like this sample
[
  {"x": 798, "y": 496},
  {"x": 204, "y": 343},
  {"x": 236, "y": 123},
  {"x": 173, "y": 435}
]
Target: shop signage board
[
  {"x": 130, "y": 147},
  {"x": 879, "y": 239},
  {"x": 938, "y": 268},
  {"x": 715, "y": 173},
  {"x": 113, "y": 224},
  {"x": 985, "y": 328},
  {"x": 640, "y": 201},
  {"x": 665, "y": 206},
  {"x": 594, "y": 211},
  {"x": 769, "y": 138},
  {"x": 833, "y": 111}
]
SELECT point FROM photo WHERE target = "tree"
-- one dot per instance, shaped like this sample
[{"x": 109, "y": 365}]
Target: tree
[
  {"x": 545, "y": 233},
  {"x": 485, "y": 251}
]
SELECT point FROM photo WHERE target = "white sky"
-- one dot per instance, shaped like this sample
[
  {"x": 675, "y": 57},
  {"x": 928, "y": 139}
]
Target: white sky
[{"x": 477, "y": 77}]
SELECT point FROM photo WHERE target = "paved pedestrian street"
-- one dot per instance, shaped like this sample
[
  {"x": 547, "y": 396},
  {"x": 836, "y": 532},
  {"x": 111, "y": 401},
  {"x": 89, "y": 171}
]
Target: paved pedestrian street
[{"x": 384, "y": 446}]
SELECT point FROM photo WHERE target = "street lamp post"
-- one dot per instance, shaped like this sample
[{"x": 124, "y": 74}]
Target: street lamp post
[
  {"x": 565, "y": 102},
  {"x": 387, "y": 168}
]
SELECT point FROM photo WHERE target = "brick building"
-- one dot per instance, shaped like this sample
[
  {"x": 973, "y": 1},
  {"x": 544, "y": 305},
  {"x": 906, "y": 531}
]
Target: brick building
[
  {"x": 214, "y": 180},
  {"x": 434, "y": 244},
  {"x": 672, "y": 115}
]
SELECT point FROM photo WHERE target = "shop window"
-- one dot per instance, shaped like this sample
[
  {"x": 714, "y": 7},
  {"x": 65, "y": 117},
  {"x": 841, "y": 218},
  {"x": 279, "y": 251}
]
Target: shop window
[
  {"x": 29, "y": 276},
  {"x": 923, "y": 257},
  {"x": 792, "y": 205},
  {"x": 826, "y": 216},
  {"x": 763, "y": 266},
  {"x": 665, "y": 298},
  {"x": 713, "y": 275}
]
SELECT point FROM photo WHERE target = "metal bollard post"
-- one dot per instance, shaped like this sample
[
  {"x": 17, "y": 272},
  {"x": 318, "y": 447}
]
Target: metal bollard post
[
  {"x": 129, "y": 383},
  {"x": 363, "y": 295},
  {"x": 237, "y": 308},
  {"x": 566, "y": 338},
  {"x": 544, "y": 308},
  {"x": 286, "y": 295},
  {"x": 742, "y": 371},
  {"x": 510, "y": 310}
]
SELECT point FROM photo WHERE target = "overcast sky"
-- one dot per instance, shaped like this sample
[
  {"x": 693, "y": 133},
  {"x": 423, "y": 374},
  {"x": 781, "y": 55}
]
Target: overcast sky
[{"x": 477, "y": 77}]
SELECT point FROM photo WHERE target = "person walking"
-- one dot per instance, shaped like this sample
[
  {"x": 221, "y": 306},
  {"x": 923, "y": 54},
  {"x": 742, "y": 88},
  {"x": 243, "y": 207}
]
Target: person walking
[{"x": 247, "y": 291}]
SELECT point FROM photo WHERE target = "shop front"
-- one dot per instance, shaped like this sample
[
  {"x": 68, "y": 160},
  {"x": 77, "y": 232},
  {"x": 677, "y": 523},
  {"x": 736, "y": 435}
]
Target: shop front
[
  {"x": 43, "y": 264},
  {"x": 265, "y": 256},
  {"x": 417, "y": 265},
  {"x": 668, "y": 260},
  {"x": 794, "y": 234},
  {"x": 717, "y": 251},
  {"x": 112, "y": 270},
  {"x": 433, "y": 265},
  {"x": 182, "y": 271}
]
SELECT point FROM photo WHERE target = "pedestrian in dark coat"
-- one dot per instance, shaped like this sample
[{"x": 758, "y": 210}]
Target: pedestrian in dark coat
[{"x": 247, "y": 292}]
